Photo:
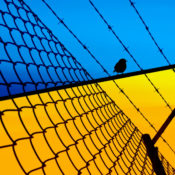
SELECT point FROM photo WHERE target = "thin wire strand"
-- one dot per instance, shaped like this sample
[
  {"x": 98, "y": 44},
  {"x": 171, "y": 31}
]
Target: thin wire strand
[
  {"x": 129, "y": 53},
  {"x": 79, "y": 116},
  {"x": 104, "y": 70},
  {"x": 149, "y": 32}
]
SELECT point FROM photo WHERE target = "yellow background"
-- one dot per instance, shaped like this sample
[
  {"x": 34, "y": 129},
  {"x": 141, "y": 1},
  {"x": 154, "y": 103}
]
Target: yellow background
[
  {"x": 150, "y": 104},
  {"x": 31, "y": 121}
]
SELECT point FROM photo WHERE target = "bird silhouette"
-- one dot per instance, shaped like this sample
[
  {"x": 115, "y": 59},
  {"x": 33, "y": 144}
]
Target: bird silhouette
[{"x": 120, "y": 67}]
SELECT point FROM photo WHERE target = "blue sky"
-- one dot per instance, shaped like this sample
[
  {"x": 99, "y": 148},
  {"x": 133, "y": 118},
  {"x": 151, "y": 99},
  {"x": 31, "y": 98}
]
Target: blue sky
[
  {"x": 82, "y": 19},
  {"x": 86, "y": 24},
  {"x": 90, "y": 29}
]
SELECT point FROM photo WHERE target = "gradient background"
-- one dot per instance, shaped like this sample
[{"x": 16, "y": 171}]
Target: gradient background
[
  {"x": 86, "y": 24},
  {"x": 90, "y": 29}
]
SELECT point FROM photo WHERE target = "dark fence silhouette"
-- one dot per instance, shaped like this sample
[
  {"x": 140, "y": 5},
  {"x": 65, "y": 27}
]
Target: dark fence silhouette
[
  {"x": 32, "y": 58},
  {"x": 77, "y": 130},
  {"x": 108, "y": 74}
]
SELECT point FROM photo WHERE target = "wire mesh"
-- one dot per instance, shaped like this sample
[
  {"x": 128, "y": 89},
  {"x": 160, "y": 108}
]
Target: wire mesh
[
  {"x": 70, "y": 131},
  {"x": 108, "y": 74},
  {"x": 77, "y": 130},
  {"x": 31, "y": 57},
  {"x": 149, "y": 32}
]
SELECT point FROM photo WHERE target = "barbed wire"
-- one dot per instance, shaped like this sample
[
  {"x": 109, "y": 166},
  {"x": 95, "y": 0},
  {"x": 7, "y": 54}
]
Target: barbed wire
[
  {"x": 79, "y": 127},
  {"x": 127, "y": 50},
  {"x": 108, "y": 74},
  {"x": 149, "y": 32},
  {"x": 46, "y": 65}
]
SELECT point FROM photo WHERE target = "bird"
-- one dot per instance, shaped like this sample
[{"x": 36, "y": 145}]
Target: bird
[{"x": 120, "y": 67}]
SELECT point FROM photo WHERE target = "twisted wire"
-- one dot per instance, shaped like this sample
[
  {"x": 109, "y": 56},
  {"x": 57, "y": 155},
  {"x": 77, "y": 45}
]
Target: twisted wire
[
  {"x": 48, "y": 62},
  {"x": 108, "y": 74},
  {"x": 129, "y": 53},
  {"x": 78, "y": 130},
  {"x": 149, "y": 32}
]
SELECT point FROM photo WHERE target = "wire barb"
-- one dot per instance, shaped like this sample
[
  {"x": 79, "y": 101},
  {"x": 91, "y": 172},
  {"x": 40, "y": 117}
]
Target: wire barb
[
  {"x": 104, "y": 70},
  {"x": 138, "y": 65},
  {"x": 149, "y": 32}
]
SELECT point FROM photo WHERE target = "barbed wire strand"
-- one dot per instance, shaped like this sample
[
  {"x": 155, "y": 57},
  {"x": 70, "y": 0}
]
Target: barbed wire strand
[
  {"x": 149, "y": 32},
  {"x": 121, "y": 90},
  {"x": 96, "y": 119},
  {"x": 127, "y": 50}
]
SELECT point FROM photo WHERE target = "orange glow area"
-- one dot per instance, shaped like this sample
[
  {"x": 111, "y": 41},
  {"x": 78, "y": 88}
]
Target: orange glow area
[
  {"x": 81, "y": 129},
  {"x": 144, "y": 96}
]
